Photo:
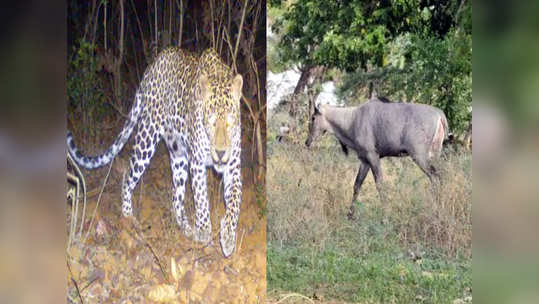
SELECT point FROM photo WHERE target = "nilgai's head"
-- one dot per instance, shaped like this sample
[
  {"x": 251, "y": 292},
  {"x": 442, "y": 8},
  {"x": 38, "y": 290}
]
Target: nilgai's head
[
  {"x": 220, "y": 93},
  {"x": 317, "y": 126}
]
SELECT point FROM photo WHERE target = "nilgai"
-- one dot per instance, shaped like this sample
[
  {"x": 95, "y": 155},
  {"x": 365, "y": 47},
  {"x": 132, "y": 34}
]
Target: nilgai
[{"x": 380, "y": 128}]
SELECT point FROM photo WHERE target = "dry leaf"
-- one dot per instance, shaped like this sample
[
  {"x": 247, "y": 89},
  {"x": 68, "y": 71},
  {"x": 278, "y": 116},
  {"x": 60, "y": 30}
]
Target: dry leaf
[{"x": 162, "y": 293}]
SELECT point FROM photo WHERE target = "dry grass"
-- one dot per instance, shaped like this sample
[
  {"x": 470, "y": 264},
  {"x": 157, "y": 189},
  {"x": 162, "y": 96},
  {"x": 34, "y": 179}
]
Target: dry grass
[{"x": 309, "y": 193}]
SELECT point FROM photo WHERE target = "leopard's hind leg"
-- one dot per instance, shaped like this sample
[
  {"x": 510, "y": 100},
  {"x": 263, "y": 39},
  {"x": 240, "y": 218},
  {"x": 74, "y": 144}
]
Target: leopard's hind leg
[{"x": 143, "y": 151}]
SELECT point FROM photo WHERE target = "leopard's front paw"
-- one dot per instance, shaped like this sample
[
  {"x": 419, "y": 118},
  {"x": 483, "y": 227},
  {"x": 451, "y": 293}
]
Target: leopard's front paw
[
  {"x": 227, "y": 238},
  {"x": 203, "y": 236},
  {"x": 184, "y": 226}
]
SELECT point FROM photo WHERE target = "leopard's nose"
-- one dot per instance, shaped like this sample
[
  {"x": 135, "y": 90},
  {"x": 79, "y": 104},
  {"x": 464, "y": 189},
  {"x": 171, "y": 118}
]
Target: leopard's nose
[{"x": 220, "y": 154}]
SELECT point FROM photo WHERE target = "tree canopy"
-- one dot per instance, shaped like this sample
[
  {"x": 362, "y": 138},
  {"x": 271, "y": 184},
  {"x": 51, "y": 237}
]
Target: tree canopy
[
  {"x": 350, "y": 34},
  {"x": 416, "y": 50}
]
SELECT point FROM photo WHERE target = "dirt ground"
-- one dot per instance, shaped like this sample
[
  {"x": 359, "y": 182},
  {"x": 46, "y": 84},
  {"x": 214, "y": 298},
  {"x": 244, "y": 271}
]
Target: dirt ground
[
  {"x": 148, "y": 260},
  {"x": 278, "y": 297}
]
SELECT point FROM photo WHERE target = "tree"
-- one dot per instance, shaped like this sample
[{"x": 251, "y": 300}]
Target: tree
[
  {"x": 350, "y": 34},
  {"x": 427, "y": 68},
  {"x": 381, "y": 41}
]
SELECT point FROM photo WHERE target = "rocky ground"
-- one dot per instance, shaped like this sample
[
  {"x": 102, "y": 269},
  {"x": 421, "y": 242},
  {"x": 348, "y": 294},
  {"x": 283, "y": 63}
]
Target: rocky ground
[{"x": 147, "y": 259}]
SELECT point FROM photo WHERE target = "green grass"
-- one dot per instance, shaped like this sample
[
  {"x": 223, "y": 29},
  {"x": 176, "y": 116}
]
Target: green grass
[
  {"x": 313, "y": 249},
  {"x": 365, "y": 263}
]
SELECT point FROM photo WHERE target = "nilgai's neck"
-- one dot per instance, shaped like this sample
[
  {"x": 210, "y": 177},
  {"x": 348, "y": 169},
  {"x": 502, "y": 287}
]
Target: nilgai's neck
[{"x": 341, "y": 122}]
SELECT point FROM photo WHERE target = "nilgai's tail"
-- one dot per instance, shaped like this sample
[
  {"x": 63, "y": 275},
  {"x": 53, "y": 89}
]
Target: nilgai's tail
[
  {"x": 440, "y": 135},
  {"x": 446, "y": 128},
  {"x": 93, "y": 162}
]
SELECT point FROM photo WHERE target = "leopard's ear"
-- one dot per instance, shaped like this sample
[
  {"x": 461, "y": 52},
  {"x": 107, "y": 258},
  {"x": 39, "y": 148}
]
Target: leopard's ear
[
  {"x": 203, "y": 83},
  {"x": 237, "y": 85}
]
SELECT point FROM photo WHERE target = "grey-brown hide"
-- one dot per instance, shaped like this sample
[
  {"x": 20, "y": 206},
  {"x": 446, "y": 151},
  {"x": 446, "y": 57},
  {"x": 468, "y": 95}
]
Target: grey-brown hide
[{"x": 379, "y": 128}]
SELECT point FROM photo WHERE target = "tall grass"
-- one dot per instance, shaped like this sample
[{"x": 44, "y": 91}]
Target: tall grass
[
  {"x": 413, "y": 247},
  {"x": 310, "y": 191}
]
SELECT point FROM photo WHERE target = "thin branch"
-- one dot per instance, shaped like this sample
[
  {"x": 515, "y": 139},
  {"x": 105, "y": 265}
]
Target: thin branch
[
  {"x": 79, "y": 173},
  {"x": 255, "y": 69},
  {"x": 155, "y": 14},
  {"x": 90, "y": 283},
  {"x": 229, "y": 44},
  {"x": 170, "y": 22},
  {"x": 119, "y": 60},
  {"x": 181, "y": 24},
  {"x": 149, "y": 11},
  {"x": 90, "y": 19},
  {"x": 239, "y": 34},
  {"x": 95, "y": 22},
  {"x": 459, "y": 10},
  {"x": 133, "y": 39},
  {"x": 98, "y": 200},
  {"x": 158, "y": 261},
  {"x": 105, "y": 24},
  {"x": 212, "y": 29},
  {"x": 229, "y": 22},
  {"x": 220, "y": 30},
  {"x": 74, "y": 282},
  {"x": 141, "y": 237},
  {"x": 115, "y": 107}
]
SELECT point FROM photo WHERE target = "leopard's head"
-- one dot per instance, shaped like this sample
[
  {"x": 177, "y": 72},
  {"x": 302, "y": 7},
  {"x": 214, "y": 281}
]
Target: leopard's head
[{"x": 221, "y": 99}]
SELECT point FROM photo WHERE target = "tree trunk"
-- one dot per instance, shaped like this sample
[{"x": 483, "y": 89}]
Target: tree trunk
[{"x": 300, "y": 88}]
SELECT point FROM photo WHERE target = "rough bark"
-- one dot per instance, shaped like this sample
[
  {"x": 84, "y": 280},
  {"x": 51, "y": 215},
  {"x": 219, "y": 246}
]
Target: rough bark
[{"x": 300, "y": 88}]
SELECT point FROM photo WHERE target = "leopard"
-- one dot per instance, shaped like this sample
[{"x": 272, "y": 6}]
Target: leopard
[{"x": 191, "y": 102}]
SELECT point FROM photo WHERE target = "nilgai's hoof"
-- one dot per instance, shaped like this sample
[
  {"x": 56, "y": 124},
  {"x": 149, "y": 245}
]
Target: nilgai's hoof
[{"x": 351, "y": 216}]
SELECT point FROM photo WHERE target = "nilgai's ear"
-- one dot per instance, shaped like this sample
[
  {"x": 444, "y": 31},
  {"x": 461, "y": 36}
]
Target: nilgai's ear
[
  {"x": 203, "y": 83},
  {"x": 237, "y": 85}
]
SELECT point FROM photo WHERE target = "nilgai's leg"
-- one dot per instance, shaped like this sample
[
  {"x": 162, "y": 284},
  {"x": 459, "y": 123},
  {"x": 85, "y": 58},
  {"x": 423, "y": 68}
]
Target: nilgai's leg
[
  {"x": 374, "y": 162},
  {"x": 427, "y": 167},
  {"x": 361, "y": 174}
]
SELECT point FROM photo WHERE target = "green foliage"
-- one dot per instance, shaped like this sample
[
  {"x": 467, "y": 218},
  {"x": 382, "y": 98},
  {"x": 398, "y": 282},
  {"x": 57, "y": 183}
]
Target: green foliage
[
  {"x": 416, "y": 50},
  {"x": 350, "y": 34},
  {"x": 425, "y": 69},
  {"x": 273, "y": 62},
  {"x": 84, "y": 88},
  {"x": 439, "y": 72}
]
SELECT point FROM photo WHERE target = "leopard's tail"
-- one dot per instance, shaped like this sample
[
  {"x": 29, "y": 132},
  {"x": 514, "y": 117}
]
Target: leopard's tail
[{"x": 93, "y": 162}]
